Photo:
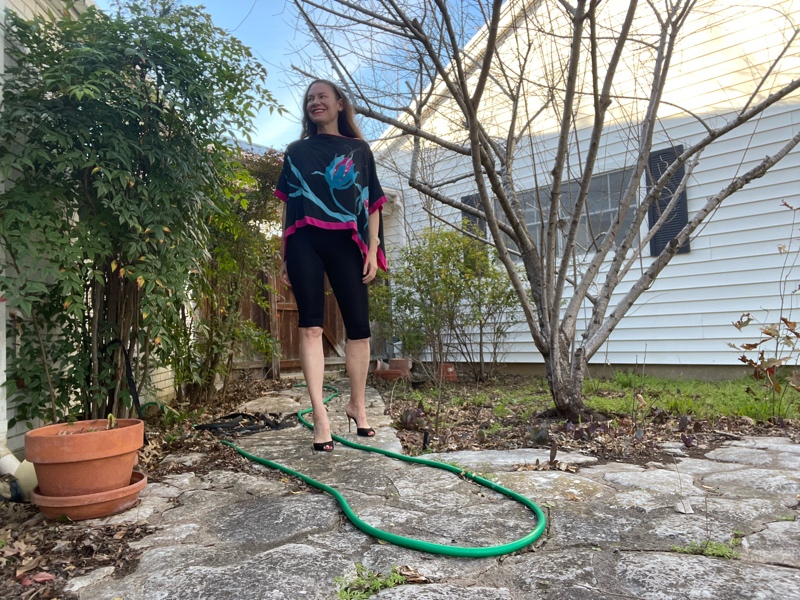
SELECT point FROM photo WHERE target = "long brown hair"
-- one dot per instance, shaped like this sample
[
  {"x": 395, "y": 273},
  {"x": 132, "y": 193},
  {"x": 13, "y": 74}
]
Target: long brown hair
[{"x": 346, "y": 122}]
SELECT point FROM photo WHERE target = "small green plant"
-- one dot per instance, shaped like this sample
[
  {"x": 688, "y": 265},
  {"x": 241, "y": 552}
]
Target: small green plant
[
  {"x": 681, "y": 406},
  {"x": 627, "y": 379},
  {"x": 713, "y": 549},
  {"x": 366, "y": 583},
  {"x": 173, "y": 417},
  {"x": 501, "y": 410},
  {"x": 447, "y": 296},
  {"x": 494, "y": 428}
]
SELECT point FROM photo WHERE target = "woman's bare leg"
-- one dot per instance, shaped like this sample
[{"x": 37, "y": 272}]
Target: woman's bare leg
[
  {"x": 357, "y": 360},
  {"x": 312, "y": 361}
]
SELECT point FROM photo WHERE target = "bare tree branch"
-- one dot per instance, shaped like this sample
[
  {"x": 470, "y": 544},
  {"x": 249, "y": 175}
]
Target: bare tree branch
[
  {"x": 466, "y": 232},
  {"x": 548, "y": 102}
]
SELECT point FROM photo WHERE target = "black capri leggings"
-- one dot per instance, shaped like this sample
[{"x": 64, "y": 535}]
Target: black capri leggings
[{"x": 310, "y": 253}]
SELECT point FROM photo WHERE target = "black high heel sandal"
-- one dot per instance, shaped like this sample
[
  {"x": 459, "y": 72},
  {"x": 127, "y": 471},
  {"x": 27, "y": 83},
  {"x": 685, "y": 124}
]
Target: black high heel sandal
[
  {"x": 360, "y": 431},
  {"x": 323, "y": 446}
]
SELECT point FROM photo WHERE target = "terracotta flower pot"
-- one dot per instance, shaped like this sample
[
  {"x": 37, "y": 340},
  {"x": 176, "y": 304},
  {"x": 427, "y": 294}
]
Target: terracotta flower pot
[
  {"x": 447, "y": 372},
  {"x": 76, "y": 459},
  {"x": 91, "y": 506},
  {"x": 401, "y": 364}
]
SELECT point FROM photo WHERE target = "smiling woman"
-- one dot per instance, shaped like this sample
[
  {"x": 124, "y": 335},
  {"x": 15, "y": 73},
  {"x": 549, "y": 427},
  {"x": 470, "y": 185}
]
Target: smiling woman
[{"x": 332, "y": 226}]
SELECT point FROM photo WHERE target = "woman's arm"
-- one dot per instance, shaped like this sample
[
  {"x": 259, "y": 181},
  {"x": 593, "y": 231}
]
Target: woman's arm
[
  {"x": 283, "y": 276},
  {"x": 371, "y": 264}
]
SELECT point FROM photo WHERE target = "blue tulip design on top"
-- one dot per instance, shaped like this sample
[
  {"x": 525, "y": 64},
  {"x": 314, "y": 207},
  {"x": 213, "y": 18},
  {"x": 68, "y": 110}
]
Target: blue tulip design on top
[
  {"x": 341, "y": 173},
  {"x": 340, "y": 176},
  {"x": 304, "y": 190}
]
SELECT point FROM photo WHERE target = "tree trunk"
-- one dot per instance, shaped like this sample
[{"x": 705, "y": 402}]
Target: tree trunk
[
  {"x": 566, "y": 384},
  {"x": 482, "y": 374}
]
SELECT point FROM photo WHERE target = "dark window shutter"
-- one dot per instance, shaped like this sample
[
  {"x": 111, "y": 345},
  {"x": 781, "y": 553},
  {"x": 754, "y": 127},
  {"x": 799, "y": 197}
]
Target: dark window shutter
[
  {"x": 471, "y": 221},
  {"x": 658, "y": 163}
]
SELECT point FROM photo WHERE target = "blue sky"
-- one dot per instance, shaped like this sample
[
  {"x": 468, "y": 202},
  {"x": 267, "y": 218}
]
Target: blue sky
[{"x": 269, "y": 31}]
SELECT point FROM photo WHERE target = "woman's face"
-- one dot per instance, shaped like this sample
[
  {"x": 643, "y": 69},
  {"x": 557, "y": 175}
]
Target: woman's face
[{"x": 322, "y": 105}]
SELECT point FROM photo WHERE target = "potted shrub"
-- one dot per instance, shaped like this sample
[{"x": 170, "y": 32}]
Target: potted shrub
[{"x": 114, "y": 135}]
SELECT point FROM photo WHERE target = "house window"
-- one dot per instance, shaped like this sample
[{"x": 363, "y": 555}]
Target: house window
[
  {"x": 657, "y": 164},
  {"x": 605, "y": 194},
  {"x": 602, "y": 204},
  {"x": 471, "y": 222}
]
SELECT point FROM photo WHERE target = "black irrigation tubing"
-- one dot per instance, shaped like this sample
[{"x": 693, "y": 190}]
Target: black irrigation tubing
[{"x": 400, "y": 540}]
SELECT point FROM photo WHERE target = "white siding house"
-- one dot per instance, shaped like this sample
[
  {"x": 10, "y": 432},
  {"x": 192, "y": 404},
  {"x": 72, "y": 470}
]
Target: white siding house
[
  {"x": 27, "y": 9},
  {"x": 734, "y": 265}
]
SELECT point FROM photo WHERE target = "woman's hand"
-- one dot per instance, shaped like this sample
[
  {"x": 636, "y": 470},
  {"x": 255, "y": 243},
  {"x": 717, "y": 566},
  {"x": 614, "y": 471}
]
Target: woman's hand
[
  {"x": 370, "y": 266},
  {"x": 284, "y": 277}
]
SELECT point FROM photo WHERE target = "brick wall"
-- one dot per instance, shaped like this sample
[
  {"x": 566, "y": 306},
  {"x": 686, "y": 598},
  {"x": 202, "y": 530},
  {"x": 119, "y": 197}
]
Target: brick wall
[{"x": 162, "y": 383}]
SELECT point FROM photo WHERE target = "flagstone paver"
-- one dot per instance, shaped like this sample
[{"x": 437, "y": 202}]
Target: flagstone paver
[{"x": 611, "y": 533}]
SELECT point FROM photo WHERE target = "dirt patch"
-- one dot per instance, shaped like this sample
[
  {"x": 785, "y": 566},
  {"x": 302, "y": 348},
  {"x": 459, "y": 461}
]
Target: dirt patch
[
  {"x": 469, "y": 416},
  {"x": 38, "y": 556}
]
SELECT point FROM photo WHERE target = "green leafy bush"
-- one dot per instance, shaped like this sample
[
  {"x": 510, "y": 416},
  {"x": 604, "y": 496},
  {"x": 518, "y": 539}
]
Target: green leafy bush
[
  {"x": 115, "y": 151},
  {"x": 447, "y": 295},
  {"x": 242, "y": 247}
]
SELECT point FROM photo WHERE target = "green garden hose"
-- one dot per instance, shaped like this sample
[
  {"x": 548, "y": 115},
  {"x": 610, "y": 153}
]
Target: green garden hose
[{"x": 398, "y": 539}]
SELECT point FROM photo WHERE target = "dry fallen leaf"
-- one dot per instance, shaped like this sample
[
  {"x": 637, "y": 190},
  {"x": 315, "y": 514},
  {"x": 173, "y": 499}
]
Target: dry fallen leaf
[
  {"x": 412, "y": 575},
  {"x": 556, "y": 465},
  {"x": 28, "y": 565}
]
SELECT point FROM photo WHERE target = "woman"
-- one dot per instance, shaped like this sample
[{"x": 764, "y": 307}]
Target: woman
[{"x": 331, "y": 224}]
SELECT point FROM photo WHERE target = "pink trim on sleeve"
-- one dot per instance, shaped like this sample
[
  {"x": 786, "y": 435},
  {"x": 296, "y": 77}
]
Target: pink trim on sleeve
[
  {"x": 280, "y": 195},
  {"x": 377, "y": 205},
  {"x": 382, "y": 260}
]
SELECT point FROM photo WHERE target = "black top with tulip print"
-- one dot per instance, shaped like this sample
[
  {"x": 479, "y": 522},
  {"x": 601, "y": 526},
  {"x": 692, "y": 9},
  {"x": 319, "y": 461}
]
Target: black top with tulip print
[{"x": 329, "y": 181}]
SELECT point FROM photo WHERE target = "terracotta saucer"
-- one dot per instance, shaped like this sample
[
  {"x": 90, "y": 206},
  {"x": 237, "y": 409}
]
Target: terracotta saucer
[
  {"x": 91, "y": 506},
  {"x": 389, "y": 374}
]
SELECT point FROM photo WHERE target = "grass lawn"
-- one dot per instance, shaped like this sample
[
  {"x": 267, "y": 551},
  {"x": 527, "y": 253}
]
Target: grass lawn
[
  {"x": 639, "y": 414},
  {"x": 744, "y": 397}
]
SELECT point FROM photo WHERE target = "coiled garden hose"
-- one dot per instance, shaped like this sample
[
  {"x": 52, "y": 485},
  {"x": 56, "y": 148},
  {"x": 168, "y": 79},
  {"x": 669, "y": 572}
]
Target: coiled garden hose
[{"x": 399, "y": 540}]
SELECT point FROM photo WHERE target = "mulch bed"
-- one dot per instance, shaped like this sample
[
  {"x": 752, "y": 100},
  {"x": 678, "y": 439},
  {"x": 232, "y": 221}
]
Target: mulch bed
[{"x": 39, "y": 556}]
